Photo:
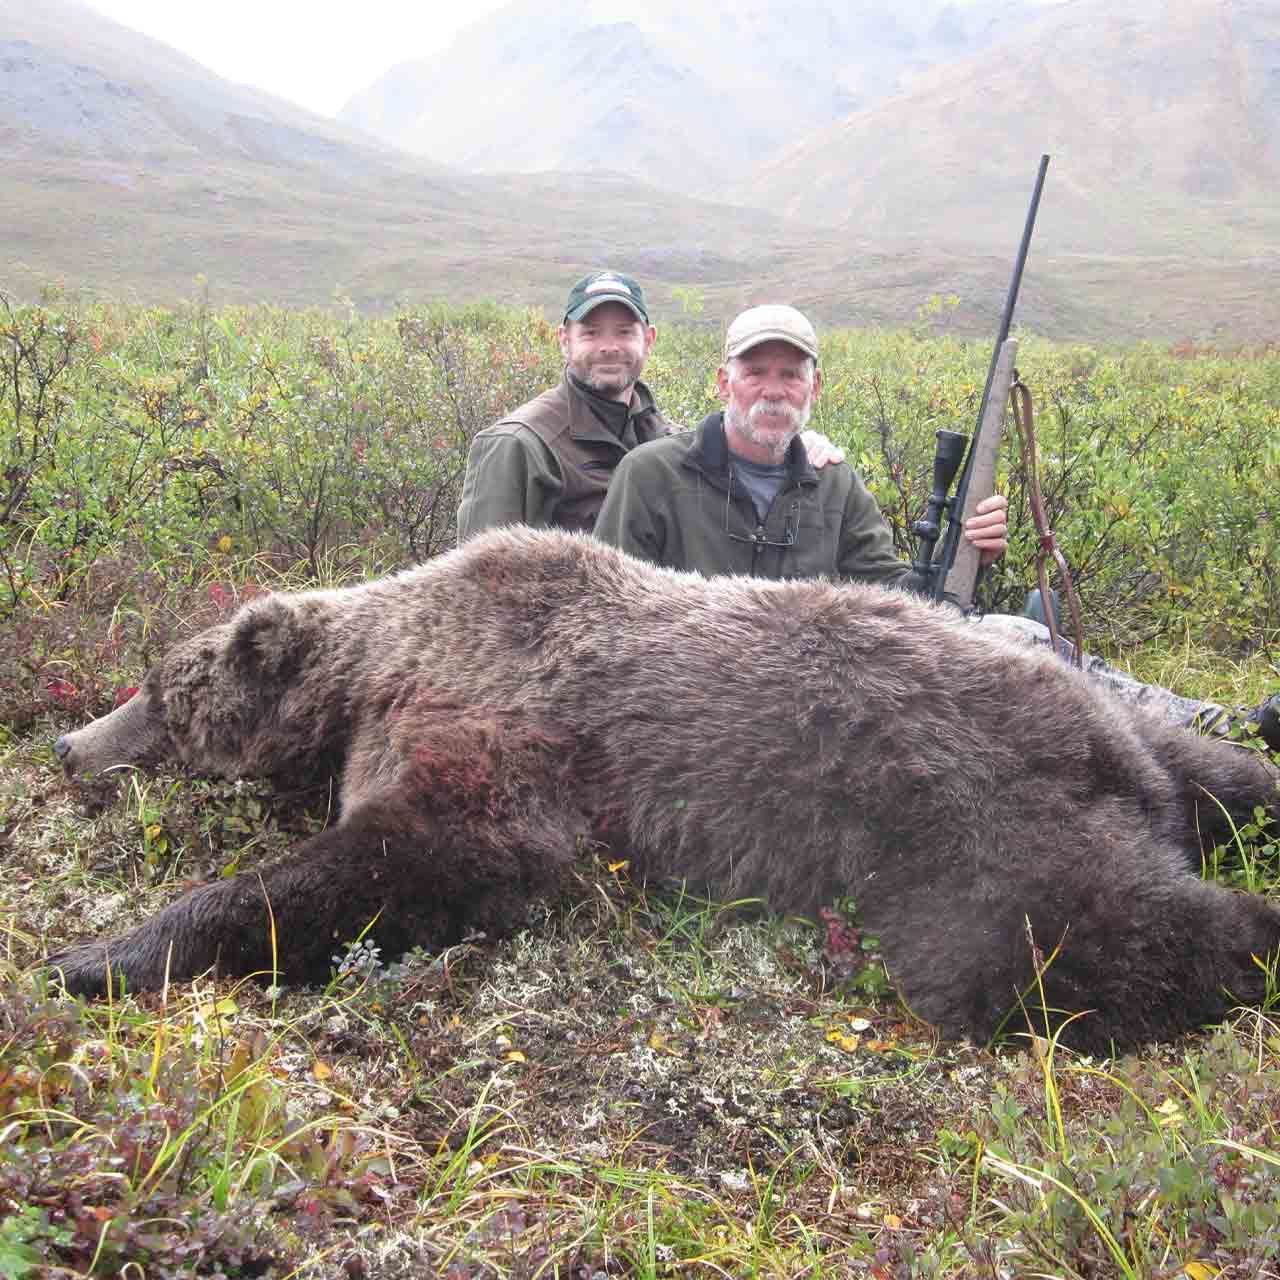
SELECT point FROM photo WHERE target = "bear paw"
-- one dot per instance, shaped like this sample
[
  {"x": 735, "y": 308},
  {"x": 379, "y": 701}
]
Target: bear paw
[{"x": 80, "y": 971}]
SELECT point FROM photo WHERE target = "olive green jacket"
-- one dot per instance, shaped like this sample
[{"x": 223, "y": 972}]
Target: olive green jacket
[
  {"x": 675, "y": 503},
  {"x": 549, "y": 462}
]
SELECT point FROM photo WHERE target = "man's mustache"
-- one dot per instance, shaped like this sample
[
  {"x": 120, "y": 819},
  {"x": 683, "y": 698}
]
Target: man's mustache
[{"x": 794, "y": 415}]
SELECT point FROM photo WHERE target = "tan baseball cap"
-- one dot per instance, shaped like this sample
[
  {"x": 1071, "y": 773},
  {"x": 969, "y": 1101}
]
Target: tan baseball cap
[{"x": 771, "y": 323}]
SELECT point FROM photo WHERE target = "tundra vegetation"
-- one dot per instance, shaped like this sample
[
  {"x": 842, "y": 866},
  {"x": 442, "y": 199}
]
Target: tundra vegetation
[{"x": 645, "y": 1084}]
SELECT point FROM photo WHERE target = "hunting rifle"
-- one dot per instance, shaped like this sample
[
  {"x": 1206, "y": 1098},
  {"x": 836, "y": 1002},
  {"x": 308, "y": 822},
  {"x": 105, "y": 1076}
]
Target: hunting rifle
[{"x": 953, "y": 577}]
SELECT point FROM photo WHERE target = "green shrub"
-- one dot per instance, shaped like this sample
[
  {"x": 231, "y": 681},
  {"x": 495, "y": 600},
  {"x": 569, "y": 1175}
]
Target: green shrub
[{"x": 192, "y": 445}]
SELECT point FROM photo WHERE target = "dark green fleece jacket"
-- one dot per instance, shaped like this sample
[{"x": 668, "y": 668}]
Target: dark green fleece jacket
[{"x": 675, "y": 502}]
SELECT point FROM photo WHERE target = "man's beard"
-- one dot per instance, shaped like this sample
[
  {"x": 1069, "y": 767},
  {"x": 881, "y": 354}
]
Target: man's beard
[
  {"x": 610, "y": 383},
  {"x": 775, "y": 437}
]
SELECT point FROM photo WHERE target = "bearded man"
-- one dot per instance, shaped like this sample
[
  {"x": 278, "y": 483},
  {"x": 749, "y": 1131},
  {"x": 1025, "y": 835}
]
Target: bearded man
[
  {"x": 738, "y": 495},
  {"x": 549, "y": 463}
]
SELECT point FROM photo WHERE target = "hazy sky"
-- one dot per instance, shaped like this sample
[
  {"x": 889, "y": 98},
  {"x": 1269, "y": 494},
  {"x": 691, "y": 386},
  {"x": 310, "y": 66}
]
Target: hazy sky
[{"x": 316, "y": 54}]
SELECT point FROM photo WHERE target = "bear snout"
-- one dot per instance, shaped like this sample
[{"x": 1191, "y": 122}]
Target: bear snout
[
  {"x": 132, "y": 734},
  {"x": 65, "y": 749}
]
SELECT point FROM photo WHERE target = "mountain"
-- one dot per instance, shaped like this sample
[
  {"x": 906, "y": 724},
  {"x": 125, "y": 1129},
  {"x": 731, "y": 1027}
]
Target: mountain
[
  {"x": 1162, "y": 117},
  {"x": 679, "y": 95},
  {"x": 130, "y": 170},
  {"x": 76, "y": 82}
]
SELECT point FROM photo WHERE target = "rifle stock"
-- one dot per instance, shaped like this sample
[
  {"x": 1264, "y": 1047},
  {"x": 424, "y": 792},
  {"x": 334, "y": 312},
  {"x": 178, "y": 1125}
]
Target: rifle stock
[{"x": 961, "y": 580}]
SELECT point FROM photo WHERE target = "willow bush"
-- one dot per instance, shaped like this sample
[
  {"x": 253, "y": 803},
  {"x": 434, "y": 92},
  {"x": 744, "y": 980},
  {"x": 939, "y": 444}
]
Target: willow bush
[
  {"x": 170, "y": 438},
  {"x": 1160, "y": 471}
]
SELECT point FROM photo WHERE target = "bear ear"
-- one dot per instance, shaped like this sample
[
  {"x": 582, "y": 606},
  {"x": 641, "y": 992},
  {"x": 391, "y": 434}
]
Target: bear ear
[{"x": 267, "y": 640}]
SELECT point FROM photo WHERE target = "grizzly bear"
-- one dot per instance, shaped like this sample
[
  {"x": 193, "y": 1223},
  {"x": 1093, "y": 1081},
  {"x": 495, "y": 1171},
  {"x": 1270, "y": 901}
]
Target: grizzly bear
[{"x": 792, "y": 741}]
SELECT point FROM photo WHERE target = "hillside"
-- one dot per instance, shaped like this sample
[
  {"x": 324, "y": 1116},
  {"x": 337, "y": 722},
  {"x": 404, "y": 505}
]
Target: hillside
[
  {"x": 680, "y": 96},
  {"x": 80, "y": 84},
  {"x": 131, "y": 170},
  {"x": 1163, "y": 120}
]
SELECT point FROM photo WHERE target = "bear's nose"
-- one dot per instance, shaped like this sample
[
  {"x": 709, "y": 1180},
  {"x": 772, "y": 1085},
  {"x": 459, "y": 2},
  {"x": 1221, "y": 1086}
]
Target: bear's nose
[{"x": 62, "y": 746}]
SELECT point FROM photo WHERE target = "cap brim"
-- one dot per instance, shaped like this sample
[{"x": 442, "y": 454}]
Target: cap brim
[
  {"x": 587, "y": 307},
  {"x": 770, "y": 335}
]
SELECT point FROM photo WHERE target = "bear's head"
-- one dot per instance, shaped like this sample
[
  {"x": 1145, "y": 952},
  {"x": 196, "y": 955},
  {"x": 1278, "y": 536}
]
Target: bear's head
[{"x": 211, "y": 702}]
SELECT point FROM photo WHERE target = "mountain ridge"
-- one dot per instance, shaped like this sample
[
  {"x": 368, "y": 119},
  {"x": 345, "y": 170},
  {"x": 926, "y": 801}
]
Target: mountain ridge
[
  {"x": 1146, "y": 112},
  {"x": 72, "y": 77},
  {"x": 729, "y": 85},
  {"x": 269, "y": 203}
]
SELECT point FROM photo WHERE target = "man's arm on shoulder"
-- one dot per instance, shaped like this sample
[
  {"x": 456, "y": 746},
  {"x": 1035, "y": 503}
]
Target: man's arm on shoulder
[
  {"x": 628, "y": 520},
  {"x": 821, "y": 451},
  {"x": 511, "y": 478}
]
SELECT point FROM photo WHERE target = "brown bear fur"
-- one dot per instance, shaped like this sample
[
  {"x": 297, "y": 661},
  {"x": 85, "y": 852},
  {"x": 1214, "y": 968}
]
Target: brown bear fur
[{"x": 792, "y": 741}]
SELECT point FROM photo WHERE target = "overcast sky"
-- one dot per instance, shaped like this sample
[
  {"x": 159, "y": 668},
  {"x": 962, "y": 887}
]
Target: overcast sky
[{"x": 316, "y": 54}]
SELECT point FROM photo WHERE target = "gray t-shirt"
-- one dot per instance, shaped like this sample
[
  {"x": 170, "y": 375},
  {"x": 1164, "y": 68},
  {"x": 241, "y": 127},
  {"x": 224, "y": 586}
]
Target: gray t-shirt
[{"x": 763, "y": 481}]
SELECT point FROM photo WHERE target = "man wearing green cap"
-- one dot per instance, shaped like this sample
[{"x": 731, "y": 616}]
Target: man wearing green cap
[{"x": 549, "y": 462}]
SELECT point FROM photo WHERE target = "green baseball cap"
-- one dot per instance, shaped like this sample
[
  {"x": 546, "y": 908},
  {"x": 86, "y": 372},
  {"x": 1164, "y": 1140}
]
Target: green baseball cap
[{"x": 605, "y": 286}]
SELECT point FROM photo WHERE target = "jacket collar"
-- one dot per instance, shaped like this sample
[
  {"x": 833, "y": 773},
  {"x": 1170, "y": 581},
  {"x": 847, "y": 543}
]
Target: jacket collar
[
  {"x": 710, "y": 455},
  {"x": 586, "y": 421}
]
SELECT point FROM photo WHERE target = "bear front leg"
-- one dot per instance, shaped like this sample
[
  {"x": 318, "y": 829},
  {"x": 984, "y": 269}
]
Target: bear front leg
[
  {"x": 224, "y": 926},
  {"x": 387, "y": 871}
]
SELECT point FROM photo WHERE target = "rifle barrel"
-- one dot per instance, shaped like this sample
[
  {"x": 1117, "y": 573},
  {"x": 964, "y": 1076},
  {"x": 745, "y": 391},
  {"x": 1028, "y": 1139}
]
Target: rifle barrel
[
  {"x": 952, "y": 536},
  {"x": 1011, "y": 301}
]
